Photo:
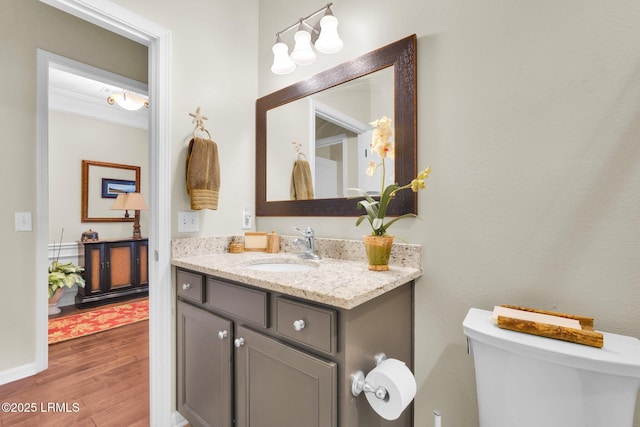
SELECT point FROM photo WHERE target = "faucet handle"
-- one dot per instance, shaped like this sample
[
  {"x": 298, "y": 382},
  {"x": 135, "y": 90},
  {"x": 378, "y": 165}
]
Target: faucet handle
[{"x": 308, "y": 232}]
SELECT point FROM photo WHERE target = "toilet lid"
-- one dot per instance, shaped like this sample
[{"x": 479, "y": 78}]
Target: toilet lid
[{"x": 620, "y": 354}]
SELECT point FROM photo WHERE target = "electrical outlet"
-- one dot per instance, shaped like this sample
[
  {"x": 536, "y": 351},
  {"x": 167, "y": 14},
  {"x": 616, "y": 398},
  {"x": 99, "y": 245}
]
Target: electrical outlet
[
  {"x": 246, "y": 219},
  {"x": 188, "y": 222}
]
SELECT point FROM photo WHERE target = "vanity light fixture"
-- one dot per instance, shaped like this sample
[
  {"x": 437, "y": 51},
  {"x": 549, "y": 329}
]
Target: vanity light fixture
[
  {"x": 128, "y": 100},
  {"x": 323, "y": 35}
]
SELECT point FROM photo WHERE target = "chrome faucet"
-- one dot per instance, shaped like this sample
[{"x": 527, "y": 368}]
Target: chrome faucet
[{"x": 308, "y": 243}]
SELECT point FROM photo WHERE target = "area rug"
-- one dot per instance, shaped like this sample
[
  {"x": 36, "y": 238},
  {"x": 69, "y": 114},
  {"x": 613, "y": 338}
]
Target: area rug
[{"x": 102, "y": 319}]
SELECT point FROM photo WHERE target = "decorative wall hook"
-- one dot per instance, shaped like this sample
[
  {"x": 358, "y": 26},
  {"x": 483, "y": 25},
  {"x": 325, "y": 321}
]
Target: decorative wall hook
[{"x": 198, "y": 119}]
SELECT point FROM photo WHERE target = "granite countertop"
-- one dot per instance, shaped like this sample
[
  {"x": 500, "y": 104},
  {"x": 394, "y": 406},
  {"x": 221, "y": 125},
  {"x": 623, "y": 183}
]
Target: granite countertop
[{"x": 344, "y": 282}]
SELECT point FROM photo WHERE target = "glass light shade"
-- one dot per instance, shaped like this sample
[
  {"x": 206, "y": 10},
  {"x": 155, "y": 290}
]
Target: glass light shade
[
  {"x": 302, "y": 53},
  {"x": 282, "y": 64},
  {"x": 128, "y": 100},
  {"x": 329, "y": 41}
]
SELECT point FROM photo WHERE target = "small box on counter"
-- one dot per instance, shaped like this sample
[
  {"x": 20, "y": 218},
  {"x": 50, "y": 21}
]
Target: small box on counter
[
  {"x": 273, "y": 243},
  {"x": 255, "y": 241}
]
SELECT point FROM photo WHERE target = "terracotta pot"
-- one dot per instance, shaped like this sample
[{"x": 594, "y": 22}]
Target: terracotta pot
[
  {"x": 378, "y": 251},
  {"x": 53, "y": 301}
]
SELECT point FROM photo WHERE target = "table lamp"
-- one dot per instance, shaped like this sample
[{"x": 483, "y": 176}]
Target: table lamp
[{"x": 134, "y": 202}]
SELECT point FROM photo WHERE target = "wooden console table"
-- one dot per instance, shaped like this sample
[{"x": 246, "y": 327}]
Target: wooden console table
[{"x": 114, "y": 270}]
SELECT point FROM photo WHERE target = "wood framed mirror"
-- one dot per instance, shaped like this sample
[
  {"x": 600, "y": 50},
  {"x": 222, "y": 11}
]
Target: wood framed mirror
[
  {"x": 400, "y": 59},
  {"x": 101, "y": 182}
]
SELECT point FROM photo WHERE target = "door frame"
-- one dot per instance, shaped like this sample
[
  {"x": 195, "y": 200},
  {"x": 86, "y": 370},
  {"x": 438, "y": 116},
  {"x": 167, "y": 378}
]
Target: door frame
[{"x": 158, "y": 40}]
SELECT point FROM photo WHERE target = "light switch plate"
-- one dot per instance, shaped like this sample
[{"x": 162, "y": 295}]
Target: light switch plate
[
  {"x": 23, "y": 221},
  {"x": 246, "y": 219},
  {"x": 188, "y": 222}
]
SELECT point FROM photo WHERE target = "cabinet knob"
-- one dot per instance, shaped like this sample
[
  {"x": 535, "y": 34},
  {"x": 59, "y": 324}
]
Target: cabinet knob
[
  {"x": 238, "y": 342},
  {"x": 186, "y": 286},
  {"x": 299, "y": 325},
  {"x": 223, "y": 334}
]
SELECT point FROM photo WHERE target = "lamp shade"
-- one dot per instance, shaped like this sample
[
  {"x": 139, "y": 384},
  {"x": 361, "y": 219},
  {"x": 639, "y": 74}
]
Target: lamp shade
[
  {"x": 135, "y": 202},
  {"x": 118, "y": 204},
  {"x": 282, "y": 63},
  {"x": 130, "y": 201},
  {"x": 302, "y": 53}
]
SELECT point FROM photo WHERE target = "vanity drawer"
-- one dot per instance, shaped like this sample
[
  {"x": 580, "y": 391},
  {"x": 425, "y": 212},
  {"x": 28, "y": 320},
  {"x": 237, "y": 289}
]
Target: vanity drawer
[
  {"x": 238, "y": 301},
  {"x": 307, "y": 324},
  {"x": 190, "y": 285}
]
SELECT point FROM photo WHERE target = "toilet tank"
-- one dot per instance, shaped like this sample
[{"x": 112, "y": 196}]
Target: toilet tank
[{"x": 523, "y": 380}]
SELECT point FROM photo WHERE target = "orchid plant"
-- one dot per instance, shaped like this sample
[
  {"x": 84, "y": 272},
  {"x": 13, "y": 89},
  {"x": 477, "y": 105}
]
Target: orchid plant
[{"x": 376, "y": 210}]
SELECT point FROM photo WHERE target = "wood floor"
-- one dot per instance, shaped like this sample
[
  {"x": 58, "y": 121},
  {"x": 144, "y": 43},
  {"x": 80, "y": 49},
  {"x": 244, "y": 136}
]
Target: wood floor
[{"x": 98, "y": 380}]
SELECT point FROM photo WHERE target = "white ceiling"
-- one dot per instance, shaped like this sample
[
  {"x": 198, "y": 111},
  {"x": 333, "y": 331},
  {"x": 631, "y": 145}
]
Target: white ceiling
[{"x": 76, "y": 94}]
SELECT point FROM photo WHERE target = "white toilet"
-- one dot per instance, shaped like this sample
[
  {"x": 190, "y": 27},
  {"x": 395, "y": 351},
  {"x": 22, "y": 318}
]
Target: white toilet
[{"x": 524, "y": 380}]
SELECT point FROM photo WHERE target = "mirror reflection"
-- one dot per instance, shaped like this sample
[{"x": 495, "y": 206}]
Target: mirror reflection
[
  {"x": 330, "y": 130},
  {"x": 313, "y": 137}
]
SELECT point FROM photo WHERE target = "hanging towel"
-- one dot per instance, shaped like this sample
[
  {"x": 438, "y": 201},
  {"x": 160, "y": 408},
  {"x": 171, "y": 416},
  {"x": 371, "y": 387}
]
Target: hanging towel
[
  {"x": 203, "y": 174},
  {"x": 301, "y": 183}
]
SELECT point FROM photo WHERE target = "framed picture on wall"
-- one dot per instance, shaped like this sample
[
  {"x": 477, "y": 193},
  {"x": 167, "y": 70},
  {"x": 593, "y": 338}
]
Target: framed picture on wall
[
  {"x": 101, "y": 183},
  {"x": 112, "y": 187}
]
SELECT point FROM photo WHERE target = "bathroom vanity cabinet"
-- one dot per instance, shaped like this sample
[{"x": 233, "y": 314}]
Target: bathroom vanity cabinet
[
  {"x": 250, "y": 357},
  {"x": 114, "y": 270}
]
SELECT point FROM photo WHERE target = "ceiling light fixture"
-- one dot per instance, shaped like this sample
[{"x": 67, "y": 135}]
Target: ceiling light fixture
[
  {"x": 128, "y": 100},
  {"x": 323, "y": 35}
]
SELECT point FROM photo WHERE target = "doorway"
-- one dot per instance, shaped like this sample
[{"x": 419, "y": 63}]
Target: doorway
[
  {"x": 158, "y": 41},
  {"x": 83, "y": 124}
]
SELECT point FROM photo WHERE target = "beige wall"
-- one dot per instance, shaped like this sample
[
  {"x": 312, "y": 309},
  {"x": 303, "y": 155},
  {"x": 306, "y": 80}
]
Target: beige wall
[
  {"x": 529, "y": 114},
  {"x": 26, "y": 26},
  {"x": 213, "y": 50},
  {"x": 73, "y": 138}
]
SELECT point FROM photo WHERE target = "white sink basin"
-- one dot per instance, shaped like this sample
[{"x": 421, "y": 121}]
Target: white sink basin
[{"x": 281, "y": 267}]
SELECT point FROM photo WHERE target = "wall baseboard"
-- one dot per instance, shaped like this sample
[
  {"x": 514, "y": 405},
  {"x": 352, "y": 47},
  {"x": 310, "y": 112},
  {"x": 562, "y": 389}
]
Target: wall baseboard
[
  {"x": 178, "y": 420},
  {"x": 17, "y": 373}
]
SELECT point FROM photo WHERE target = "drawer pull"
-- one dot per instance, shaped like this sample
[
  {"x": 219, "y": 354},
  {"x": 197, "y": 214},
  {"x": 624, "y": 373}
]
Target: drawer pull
[
  {"x": 238, "y": 342},
  {"x": 186, "y": 286},
  {"x": 223, "y": 334},
  {"x": 299, "y": 325}
]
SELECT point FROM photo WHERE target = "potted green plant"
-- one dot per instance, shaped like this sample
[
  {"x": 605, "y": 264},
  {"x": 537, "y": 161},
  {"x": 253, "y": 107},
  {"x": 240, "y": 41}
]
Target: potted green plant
[
  {"x": 62, "y": 276},
  {"x": 378, "y": 244}
]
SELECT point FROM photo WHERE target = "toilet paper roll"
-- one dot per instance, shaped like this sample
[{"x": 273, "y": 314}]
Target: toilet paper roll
[{"x": 397, "y": 379}]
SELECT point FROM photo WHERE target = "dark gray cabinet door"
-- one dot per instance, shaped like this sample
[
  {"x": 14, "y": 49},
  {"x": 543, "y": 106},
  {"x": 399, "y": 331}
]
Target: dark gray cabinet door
[
  {"x": 204, "y": 367},
  {"x": 277, "y": 385}
]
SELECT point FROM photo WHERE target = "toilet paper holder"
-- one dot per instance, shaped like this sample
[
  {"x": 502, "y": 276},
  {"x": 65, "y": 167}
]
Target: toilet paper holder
[{"x": 358, "y": 383}]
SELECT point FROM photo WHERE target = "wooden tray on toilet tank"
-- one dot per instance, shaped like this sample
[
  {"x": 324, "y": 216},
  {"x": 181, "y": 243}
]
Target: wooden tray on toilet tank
[{"x": 583, "y": 332}]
